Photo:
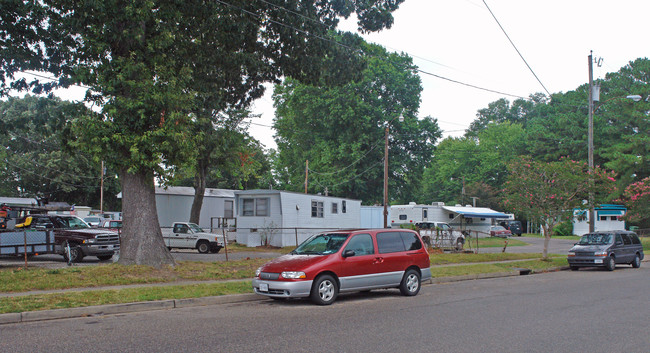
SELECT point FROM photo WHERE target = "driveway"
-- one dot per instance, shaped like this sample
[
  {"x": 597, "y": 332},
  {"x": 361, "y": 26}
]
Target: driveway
[{"x": 557, "y": 245}]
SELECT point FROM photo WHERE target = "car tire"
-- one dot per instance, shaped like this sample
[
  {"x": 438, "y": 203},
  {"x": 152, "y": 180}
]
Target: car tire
[
  {"x": 203, "y": 247},
  {"x": 410, "y": 285},
  {"x": 76, "y": 254},
  {"x": 104, "y": 257},
  {"x": 324, "y": 290},
  {"x": 637, "y": 261},
  {"x": 459, "y": 244},
  {"x": 610, "y": 263}
]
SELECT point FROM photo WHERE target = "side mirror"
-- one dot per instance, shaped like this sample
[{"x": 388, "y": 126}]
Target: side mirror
[{"x": 349, "y": 253}]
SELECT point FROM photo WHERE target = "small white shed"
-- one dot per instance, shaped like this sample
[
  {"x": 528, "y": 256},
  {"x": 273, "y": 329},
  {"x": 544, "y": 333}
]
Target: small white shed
[
  {"x": 284, "y": 218},
  {"x": 608, "y": 217}
]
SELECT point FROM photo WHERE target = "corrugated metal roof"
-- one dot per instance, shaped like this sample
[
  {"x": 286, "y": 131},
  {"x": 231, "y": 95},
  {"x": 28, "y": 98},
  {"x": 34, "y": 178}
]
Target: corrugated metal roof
[
  {"x": 189, "y": 191},
  {"x": 18, "y": 201},
  {"x": 272, "y": 192}
]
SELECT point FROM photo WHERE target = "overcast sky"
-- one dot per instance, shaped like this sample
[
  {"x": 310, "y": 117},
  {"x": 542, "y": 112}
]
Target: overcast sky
[{"x": 461, "y": 41}]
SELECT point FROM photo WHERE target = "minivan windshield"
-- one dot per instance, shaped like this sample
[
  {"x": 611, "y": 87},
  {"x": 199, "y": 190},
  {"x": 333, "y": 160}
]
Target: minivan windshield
[
  {"x": 321, "y": 244},
  {"x": 595, "y": 239}
]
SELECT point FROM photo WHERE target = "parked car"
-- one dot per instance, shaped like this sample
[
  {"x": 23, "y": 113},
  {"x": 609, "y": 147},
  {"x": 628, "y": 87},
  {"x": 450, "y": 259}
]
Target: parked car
[
  {"x": 513, "y": 226},
  {"x": 111, "y": 224},
  {"x": 499, "y": 231},
  {"x": 344, "y": 261},
  {"x": 441, "y": 235},
  {"x": 73, "y": 238},
  {"x": 93, "y": 221},
  {"x": 606, "y": 249}
]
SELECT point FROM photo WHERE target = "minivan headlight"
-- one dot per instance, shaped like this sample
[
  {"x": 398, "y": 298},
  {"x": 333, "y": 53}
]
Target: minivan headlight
[
  {"x": 258, "y": 271},
  {"x": 293, "y": 274},
  {"x": 600, "y": 253}
]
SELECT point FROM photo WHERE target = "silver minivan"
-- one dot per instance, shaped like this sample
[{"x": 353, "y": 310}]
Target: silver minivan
[{"x": 606, "y": 249}]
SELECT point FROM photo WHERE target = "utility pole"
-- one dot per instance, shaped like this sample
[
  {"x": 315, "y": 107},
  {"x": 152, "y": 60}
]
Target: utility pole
[
  {"x": 590, "y": 139},
  {"x": 386, "y": 180},
  {"x": 101, "y": 191},
  {"x": 306, "y": 175}
]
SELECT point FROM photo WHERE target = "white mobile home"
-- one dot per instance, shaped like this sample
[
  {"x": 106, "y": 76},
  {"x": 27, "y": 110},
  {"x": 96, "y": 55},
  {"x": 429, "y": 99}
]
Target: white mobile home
[
  {"x": 283, "y": 218},
  {"x": 174, "y": 204},
  {"x": 468, "y": 218},
  {"x": 607, "y": 217}
]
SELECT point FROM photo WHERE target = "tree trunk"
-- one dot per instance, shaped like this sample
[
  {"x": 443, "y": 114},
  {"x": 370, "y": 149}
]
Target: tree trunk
[
  {"x": 199, "y": 191},
  {"x": 547, "y": 239},
  {"x": 142, "y": 241}
]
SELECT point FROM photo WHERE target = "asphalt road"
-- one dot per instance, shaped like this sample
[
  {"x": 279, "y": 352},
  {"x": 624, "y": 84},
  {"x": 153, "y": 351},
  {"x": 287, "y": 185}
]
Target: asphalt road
[{"x": 585, "y": 311}]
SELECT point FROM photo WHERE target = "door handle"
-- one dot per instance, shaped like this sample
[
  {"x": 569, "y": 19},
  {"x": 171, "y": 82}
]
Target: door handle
[{"x": 378, "y": 260}]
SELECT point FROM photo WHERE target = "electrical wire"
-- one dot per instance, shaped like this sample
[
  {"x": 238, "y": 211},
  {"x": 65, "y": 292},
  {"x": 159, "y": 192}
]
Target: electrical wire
[{"x": 517, "y": 50}]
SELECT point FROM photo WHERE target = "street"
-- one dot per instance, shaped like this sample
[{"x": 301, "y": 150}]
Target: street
[{"x": 588, "y": 310}]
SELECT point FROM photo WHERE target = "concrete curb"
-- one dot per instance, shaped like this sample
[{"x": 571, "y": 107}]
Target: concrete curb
[{"x": 110, "y": 309}]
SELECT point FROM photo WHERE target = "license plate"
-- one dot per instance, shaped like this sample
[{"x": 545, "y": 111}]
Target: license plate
[
  {"x": 264, "y": 287},
  {"x": 599, "y": 261}
]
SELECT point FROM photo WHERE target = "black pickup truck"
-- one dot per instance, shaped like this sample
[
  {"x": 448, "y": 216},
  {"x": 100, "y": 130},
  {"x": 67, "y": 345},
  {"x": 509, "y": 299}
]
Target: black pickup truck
[{"x": 73, "y": 233}]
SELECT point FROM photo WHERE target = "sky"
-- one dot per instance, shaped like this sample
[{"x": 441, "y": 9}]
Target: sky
[{"x": 461, "y": 41}]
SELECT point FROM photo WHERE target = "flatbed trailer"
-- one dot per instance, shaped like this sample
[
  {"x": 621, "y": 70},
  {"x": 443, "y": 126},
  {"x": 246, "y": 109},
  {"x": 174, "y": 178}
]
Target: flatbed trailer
[{"x": 26, "y": 242}]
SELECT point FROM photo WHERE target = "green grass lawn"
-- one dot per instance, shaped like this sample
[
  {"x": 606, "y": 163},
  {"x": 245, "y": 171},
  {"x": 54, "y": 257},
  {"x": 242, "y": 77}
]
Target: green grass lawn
[
  {"x": 131, "y": 295},
  {"x": 20, "y": 280}
]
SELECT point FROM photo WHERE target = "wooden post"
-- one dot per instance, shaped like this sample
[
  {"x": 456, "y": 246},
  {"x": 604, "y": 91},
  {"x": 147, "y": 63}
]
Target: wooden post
[{"x": 306, "y": 175}]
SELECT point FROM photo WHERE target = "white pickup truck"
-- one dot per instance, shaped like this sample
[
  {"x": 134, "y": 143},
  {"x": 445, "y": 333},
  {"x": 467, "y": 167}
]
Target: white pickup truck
[
  {"x": 440, "y": 235},
  {"x": 185, "y": 235}
]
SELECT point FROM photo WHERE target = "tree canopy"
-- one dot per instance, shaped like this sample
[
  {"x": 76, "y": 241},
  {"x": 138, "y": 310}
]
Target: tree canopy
[
  {"x": 150, "y": 64},
  {"x": 341, "y": 129}
]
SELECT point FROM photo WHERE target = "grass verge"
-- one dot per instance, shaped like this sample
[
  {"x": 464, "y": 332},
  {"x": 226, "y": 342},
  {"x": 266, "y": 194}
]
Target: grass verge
[{"x": 140, "y": 294}]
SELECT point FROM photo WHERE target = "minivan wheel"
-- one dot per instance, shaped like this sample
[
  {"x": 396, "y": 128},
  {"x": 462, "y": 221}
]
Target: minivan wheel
[
  {"x": 324, "y": 290},
  {"x": 637, "y": 261},
  {"x": 610, "y": 263},
  {"x": 410, "y": 285}
]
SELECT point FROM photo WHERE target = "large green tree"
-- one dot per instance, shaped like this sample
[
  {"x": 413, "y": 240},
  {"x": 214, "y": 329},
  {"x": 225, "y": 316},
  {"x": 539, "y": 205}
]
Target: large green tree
[
  {"x": 340, "y": 129},
  {"x": 38, "y": 162},
  {"x": 145, "y": 63},
  {"x": 546, "y": 193},
  {"x": 477, "y": 164}
]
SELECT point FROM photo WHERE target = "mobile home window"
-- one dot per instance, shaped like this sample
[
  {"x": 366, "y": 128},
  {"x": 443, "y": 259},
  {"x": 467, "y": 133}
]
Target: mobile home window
[
  {"x": 228, "y": 209},
  {"x": 603, "y": 218},
  {"x": 248, "y": 207},
  {"x": 261, "y": 207},
  {"x": 255, "y": 207},
  {"x": 424, "y": 214},
  {"x": 343, "y": 207},
  {"x": 335, "y": 208},
  {"x": 317, "y": 209}
]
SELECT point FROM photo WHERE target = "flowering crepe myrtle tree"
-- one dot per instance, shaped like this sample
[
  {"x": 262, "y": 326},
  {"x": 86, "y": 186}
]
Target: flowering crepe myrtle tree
[
  {"x": 546, "y": 193},
  {"x": 637, "y": 198}
]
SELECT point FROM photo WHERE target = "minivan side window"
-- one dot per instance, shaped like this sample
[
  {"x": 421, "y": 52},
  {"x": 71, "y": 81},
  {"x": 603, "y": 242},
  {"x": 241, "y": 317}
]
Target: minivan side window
[
  {"x": 635, "y": 239},
  {"x": 388, "y": 242},
  {"x": 411, "y": 241},
  {"x": 619, "y": 240},
  {"x": 626, "y": 239},
  {"x": 361, "y": 244}
]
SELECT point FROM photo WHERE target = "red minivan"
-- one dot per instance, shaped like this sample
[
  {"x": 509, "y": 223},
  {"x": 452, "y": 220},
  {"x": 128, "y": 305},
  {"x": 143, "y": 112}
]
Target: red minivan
[{"x": 346, "y": 261}]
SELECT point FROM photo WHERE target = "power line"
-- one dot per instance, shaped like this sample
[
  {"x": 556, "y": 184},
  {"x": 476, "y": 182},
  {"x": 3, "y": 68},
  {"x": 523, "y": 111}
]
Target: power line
[
  {"x": 329, "y": 40},
  {"x": 514, "y": 46}
]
